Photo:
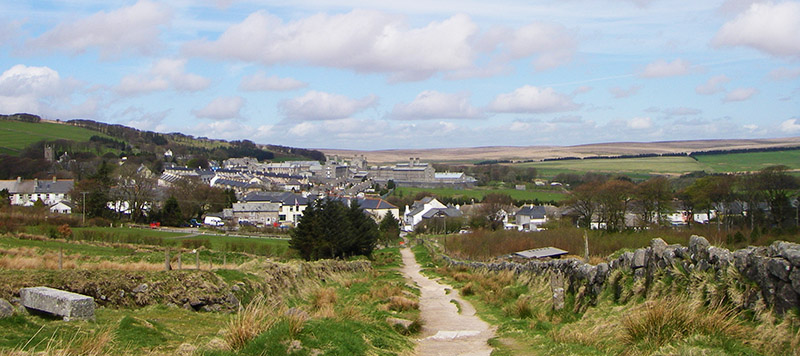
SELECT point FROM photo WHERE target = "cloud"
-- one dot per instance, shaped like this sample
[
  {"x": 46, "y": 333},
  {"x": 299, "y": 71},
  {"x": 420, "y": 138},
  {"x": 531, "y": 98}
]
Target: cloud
[
  {"x": 316, "y": 105},
  {"x": 553, "y": 44},
  {"x": 221, "y": 108},
  {"x": 530, "y": 99},
  {"x": 361, "y": 40},
  {"x": 740, "y": 94},
  {"x": 163, "y": 75},
  {"x": 784, "y": 73},
  {"x": 40, "y": 90},
  {"x": 431, "y": 104},
  {"x": 790, "y": 126},
  {"x": 260, "y": 82},
  {"x": 640, "y": 123},
  {"x": 771, "y": 28},
  {"x": 624, "y": 93},
  {"x": 133, "y": 29},
  {"x": 713, "y": 85},
  {"x": 661, "y": 68}
]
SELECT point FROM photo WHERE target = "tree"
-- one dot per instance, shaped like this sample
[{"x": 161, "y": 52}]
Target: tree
[
  {"x": 329, "y": 229},
  {"x": 492, "y": 207},
  {"x": 777, "y": 186},
  {"x": 654, "y": 196},
  {"x": 389, "y": 229},
  {"x": 136, "y": 186},
  {"x": 584, "y": 200},
  {"x": 196, "y": 198},
  {"x": 94, "y": 192},
  {"x": 171, "y": 213},
  {"x": 614, "y": 198}
]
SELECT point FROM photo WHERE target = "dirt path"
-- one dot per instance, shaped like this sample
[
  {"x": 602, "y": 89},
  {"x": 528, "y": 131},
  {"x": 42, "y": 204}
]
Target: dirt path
[{"x": 446, "y": 331}]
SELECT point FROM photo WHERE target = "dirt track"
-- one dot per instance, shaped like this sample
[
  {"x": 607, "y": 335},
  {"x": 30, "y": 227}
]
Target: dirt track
[{"x": 445, "y": 331}]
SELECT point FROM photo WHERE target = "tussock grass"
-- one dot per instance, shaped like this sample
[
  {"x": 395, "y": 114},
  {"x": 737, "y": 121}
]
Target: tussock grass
[
  {"x": 95, "y": 343},
  {"x": 658, "y": 322},
  {"x": 323, "y": 302},
  {"x": 399, "y": 303},
  {"x": 258, "y": 316}
]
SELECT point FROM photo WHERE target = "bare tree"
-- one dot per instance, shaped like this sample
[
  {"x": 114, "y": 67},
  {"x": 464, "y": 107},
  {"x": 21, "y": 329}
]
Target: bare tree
[{"x": 136, "y": 186}]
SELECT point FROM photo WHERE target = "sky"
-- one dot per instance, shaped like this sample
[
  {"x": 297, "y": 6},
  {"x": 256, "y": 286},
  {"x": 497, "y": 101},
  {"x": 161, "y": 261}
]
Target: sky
[{"x": 372, "y": 75}]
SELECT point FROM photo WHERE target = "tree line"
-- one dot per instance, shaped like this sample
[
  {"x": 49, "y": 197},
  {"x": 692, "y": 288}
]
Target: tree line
[{"x": 766, "y": 198}]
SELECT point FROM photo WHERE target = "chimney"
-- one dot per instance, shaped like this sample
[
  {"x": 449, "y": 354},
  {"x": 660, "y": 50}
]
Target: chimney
[
  {"x": 35, "y": 182},
  {"x": 55, "y": 179},
  {"x": 19, "y": 180}
]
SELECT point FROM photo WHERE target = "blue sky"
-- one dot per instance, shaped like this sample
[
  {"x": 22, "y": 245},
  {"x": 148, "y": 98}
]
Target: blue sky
[{"x": 410, "y": 74}]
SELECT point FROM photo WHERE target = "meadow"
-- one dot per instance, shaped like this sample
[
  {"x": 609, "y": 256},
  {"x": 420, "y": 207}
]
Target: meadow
[
  {"x": 670, "y": 165},
  {"x": 16, "y": 135}
]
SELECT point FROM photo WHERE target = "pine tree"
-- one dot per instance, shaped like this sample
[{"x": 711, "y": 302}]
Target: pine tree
[
  {"x": 329, "y": 229},
  {"x": 389, "y": 229}
]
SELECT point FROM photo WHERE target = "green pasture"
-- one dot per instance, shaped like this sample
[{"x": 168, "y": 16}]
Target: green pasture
[
  {"x": 479, "y": 192},
  {"x": 16, "y": 135},
  {"x": 646, "y": 166}
]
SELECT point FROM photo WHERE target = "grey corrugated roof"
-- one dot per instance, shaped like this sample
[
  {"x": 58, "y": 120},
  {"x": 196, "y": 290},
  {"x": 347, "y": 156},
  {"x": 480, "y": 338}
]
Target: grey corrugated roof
[
  {"x": 256, "y": 207},
  {"x": 277, "y": 197},
  {"x": 449, "y": 212},
  {"x": 37, "y": 186},
  {"x": 541, "y": 252}
]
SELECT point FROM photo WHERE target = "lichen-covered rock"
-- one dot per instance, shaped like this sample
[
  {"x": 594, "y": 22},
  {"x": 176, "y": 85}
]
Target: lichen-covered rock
[
  {"x": 780, "y": 268},
  {"x": 698, "y": 247},
  {"x": 6, "y": 309},
  {"x": 785, "y": 298},
  {"x": 787, "y": 250},
  {"x": 639, "y": 258},
  {"x": 720, "y": 257},
  {"x": 658, "y": 246}
]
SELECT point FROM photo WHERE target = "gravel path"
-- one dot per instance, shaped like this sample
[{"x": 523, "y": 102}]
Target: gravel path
[{"x": 445, "y": 331}]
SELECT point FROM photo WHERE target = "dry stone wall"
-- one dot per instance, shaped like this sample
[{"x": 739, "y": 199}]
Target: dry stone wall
[{"x": 775, "y": 269}]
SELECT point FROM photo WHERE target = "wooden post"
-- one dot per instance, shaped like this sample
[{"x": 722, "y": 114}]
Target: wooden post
[
  {"x": 197, "y": 258},
  {"x": 60, "y": 258},
  {"x": 224, "y": 259},
  {"x": 179, "y": 259},
  {"x": 167, "y": 267},
  {"x": 586, "y": 246}
]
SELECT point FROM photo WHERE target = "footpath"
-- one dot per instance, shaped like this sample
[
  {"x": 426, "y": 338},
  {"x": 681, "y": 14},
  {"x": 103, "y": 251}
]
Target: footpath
[{"x": 445, "y": 331}]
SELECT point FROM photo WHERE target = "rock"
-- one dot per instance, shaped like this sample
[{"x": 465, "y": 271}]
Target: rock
[
  {"x": 140, "y": 288},
  {"x": 297, "y": 313},
  {"x": 698, "y": 247},
  {"x": 67, "y": 305},
  {"x": 232, "y": 301},
  {"x": 720, "y": 257},
  {"x": 780, "y": 268},
  {"x": 216, "y": 344},
  {"x": 557, "y": 287},
  {"x": 639, "y": 258},
  {"x": 397, "y": 321},
  {"x": 186, "y": 349},
  {"x": 294, "y": 346},
  {"x": 602, "y": 273},
  {"x": 658, "y": 246},
  {"x": 6, "y": 309},
  {"x": 794, "y": 277},
  {"x": 785, "y": 298},
  {"x": 789, "y": 251}
]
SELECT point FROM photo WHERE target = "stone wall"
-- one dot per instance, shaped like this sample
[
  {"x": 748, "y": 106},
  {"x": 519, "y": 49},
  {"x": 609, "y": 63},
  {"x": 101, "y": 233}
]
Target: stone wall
[{"x": 775, "y": 270}]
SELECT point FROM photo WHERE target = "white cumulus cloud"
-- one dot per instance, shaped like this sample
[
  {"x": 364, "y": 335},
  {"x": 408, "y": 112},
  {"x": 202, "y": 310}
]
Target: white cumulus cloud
[
  {"x": 221, "y": 108},
  {"x": 40, "y": 90},
  {"x": 361, "y": 40},
  {"x": 662, "y": 68},
  {"x": 553, "y": 44},
  {"x": 531, "y": 99},
  {"x": 431, "y": 104},
  {"x": 316, "y": 105},
  {"x": 163, "y": 75},
  {"x": 790, "y": 126},
  {"x": 261, "y": 82},
  {"x": 770, "y": 27},
  {"x": 640, "y": 123},
  {"x": 740, "y": 94},
  {"x": 133, "y": 29}
]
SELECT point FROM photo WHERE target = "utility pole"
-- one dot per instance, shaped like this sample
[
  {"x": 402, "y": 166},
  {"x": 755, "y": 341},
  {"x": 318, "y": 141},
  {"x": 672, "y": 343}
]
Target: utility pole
[{"x": 83, "y": 221}]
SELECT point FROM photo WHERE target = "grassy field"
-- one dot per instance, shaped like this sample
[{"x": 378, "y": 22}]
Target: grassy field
[
  {"x": 479, "y": 192},
  {"x": 643, "y": 167},
  {"x": 293, "y": 308},
  {"x": 16, "y": 135}
]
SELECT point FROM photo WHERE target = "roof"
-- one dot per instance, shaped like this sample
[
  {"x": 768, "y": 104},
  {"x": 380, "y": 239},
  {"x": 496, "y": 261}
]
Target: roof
[
  {"x": 276, "y": 197},
  {"x": 535, "y": 212},
  {"x": 449, "y": 212},
  {"x": 255, "y": 207},
  {"x": 67, "y": 203},
  {"x": 38, "y": 186},
  {"x": 541, "y": 252},
  {"x": 448, "y": 175},
  {"x": 368, "y": 203}
]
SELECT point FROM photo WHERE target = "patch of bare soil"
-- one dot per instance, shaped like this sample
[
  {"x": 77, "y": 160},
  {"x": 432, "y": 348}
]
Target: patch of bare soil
[{"x": 445, "y": 331}]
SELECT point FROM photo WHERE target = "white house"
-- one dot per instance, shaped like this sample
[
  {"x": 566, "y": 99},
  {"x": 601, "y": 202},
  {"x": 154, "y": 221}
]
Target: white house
[
  {"x": 427, "y": 208},
  {"x": 63, "y": 207},
  {"x": 26, "y": 192},
  {"x": 531, "y": 217},
  {"x": 291, "y": 205}
]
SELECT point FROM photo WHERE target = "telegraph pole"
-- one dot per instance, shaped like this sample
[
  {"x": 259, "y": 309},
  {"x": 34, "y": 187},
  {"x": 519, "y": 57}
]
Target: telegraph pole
[{"x": 83, "y": 221}]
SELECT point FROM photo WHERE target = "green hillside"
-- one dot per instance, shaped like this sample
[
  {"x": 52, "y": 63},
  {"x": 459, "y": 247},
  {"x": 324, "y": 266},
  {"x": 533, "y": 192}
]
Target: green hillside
[{"x": 16, "y": 135}]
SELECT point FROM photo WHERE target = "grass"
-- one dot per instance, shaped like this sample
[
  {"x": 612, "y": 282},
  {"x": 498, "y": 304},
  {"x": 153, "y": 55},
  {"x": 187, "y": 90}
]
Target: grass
[
  {"x": 17, "y": 135},
  {"x": 647, "y": 166},
  {"x": 479, "y": 192}
]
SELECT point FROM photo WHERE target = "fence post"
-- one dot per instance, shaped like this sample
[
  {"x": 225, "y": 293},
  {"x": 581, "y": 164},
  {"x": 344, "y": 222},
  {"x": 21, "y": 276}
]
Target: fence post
[
  {"x": 180, "y": 252},
  {"x": 60, "y": 258},
  {"x": 224, "y": 259},
  {"x": 197, "y": 258},
  {"x": 167, "y": 267}
]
